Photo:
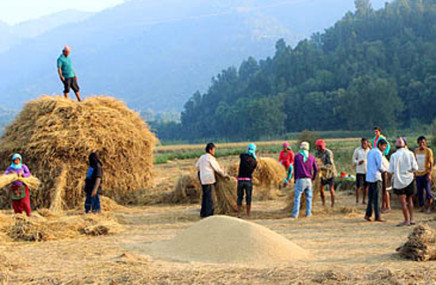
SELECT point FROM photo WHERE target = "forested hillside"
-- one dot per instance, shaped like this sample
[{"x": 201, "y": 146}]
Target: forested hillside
[{"x": 371, "y": 67}]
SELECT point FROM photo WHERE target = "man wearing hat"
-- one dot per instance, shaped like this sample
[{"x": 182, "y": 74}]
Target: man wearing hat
[{"x": 67, "y": 74}]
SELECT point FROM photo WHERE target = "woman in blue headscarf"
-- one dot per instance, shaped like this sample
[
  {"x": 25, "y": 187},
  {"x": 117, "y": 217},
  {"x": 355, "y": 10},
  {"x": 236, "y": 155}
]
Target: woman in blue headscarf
[
  {"x": 247, "y": 165},
  {"x": 20, "y": 194}
]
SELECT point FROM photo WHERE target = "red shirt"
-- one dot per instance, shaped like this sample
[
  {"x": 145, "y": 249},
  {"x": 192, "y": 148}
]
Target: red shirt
[{"x": 286, "y": 158}]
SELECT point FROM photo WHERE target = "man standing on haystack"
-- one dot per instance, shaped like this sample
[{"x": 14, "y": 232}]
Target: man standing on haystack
[
  {"x": 403, "y": 165},
  {"x": 305, "y": 170},
  {"x": 359, "y": 160},
  {"x": 67, "y": 74},
  {"x": 208, "y": 166},
  {"x": 374, "y": 172},
  {"x": 328, "y": 170}
]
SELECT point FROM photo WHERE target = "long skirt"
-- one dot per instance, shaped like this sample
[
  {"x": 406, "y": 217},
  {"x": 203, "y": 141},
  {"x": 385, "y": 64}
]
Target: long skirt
[{"x": 23, "y": 204}]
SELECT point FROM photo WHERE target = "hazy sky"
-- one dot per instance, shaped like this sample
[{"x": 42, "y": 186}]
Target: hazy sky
[{"x": 15, "y": 11}]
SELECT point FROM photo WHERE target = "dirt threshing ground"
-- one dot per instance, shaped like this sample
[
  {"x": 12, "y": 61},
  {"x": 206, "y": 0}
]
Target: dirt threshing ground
[{"x": 346, "y": 249}]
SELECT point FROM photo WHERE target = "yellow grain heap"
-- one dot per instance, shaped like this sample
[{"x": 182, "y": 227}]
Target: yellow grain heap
[{"x": 55, "y": 136}]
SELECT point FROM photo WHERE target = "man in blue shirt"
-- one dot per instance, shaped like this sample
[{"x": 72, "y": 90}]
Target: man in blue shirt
[
  {"x": 67, "y": 74},
  {"x": 374, "y": 172}
]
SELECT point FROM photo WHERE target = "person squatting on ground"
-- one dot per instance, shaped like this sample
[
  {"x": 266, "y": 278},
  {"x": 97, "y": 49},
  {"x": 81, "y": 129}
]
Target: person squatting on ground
[
  {"x": 359, "y": 160},
  {"x": 207, "y": 166},
  {"x": 286, "y": 158},
  {"x": 247, "y": 165},
  {"x": 424, "y": 157},
  {"x": 305, "y": 171},
  {"x": 93, "y": 181},
  {"x": 402, "y": 167},
  {"x": 328, "y": 170},
  {"x": 67, "y": 74},
  {"x": 374, "y": 172},
  {"x": 20, "y": 193}
]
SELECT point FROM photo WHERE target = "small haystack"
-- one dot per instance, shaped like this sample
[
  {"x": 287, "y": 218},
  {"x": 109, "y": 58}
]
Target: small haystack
[
  {"x": 56, "y": 135},
  {"x": 227, "y": 240},
  {"x": 421, "y": 244},
  {"x": 187, "y": 191}
]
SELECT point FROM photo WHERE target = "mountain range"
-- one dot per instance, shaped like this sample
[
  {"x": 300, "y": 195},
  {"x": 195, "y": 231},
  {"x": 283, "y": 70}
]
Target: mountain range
[{"x": 153, "y": 54}]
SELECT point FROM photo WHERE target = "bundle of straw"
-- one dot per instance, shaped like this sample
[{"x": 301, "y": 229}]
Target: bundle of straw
[
  {"x": 188, "y": 190},
  {"x": 225, "y": 200},
  {"x": 421, "y": 244},
  {"x": 5, "y": 180},
  {"x": 32, "y": 182}
]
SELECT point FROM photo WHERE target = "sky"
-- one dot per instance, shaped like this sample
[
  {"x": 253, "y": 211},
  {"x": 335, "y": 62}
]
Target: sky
[{"x": 16, "y": 11}]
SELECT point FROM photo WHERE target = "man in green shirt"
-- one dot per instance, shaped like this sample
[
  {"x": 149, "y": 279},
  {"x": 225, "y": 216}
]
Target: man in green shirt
[{"x": 66, "y": 73}]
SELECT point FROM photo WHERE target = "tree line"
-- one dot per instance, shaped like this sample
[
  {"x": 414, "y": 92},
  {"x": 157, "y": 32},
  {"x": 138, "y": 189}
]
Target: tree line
[{"x": 370, "y": 68}]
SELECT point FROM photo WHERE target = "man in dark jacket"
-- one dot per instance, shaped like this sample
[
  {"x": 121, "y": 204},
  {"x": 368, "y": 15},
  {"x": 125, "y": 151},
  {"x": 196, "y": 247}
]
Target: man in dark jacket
[{"x": 247, "y": 166}]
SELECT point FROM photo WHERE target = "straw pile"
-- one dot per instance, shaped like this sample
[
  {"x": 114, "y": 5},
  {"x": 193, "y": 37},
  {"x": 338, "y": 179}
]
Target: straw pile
[
  {"x": 268, "y": 176},
  {"x": 227, "y": 240},
  {"x": 421, "y": 244},
  {"x": 54, "y": 227},
  {"x": 187, "y": 191},
  {"x": 55, "y": 137},
  {"x": 225, "y": 196}
]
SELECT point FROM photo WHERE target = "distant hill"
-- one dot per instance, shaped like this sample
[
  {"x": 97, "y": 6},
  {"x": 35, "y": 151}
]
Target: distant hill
[
  {"x": 13, "y": 35},
  {"x": 373, "y": 67},
  {"x": 156, "y": 54}
]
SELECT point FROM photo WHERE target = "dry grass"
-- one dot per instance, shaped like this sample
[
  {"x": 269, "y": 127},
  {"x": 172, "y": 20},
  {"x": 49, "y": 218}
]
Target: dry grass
[
  {"x": 51, "y": 132},
  {"x": 187, "y": 191},
  {"x": 5, "y": 180},
  {"x": 225, "y": 191},
  {"x": 421, "y": 244},
  {"x": 52, "y": 227}
]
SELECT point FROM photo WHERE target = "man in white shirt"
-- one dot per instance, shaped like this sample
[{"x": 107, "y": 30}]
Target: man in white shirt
[
  {"x": 359, "y": 160},
  {"x": 374, "y": 170},
  {"x": 208, "y": 166},
  {"x": 402, "y": 165}
]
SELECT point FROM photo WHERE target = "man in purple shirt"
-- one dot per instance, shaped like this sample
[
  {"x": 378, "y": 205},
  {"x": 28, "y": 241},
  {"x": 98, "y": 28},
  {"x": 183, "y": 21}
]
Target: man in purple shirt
[{"x": 305, "y": 171}]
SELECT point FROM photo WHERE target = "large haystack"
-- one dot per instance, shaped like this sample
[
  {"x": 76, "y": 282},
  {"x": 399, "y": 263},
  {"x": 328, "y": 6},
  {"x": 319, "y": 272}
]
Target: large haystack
[
  {"x": 55, "y": 137},
  {"x": 222, "y": 239}
]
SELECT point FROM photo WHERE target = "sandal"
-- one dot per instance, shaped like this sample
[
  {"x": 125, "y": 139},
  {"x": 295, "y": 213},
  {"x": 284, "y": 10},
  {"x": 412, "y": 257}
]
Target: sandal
[
  {"x": 403, "y": 224},
  {"x": 412, "y": 223}
]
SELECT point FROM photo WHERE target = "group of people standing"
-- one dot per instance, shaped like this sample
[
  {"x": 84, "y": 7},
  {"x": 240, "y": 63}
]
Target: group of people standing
[
  {"x": 406, "y": 170},
  {"x": 374, "y": 173},
  {"x": 20, "y": 192}
]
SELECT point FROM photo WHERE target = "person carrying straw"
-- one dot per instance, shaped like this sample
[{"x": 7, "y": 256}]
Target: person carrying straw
[
  {"x": 328, "y": 170},
  {"x": 20, "y": 193},
  {"x": 208, "y": 166}
]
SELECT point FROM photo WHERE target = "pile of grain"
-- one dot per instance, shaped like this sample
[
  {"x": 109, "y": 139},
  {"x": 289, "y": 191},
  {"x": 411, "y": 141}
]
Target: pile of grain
[
  {"x": 55, "y": 137},
  {"x": 222, "y": 239},
  {"x": 421, "y": 244}
]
